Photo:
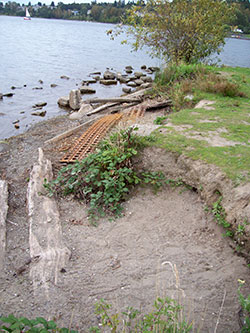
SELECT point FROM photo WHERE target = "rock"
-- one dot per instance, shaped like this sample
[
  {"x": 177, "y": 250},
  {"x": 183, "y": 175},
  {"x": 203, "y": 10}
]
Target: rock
[
  {"x": 85, "y": 108},
  {"x": 17, "y": 126},
  {"x": 1, "y": 96},
  {"x": 39, "y": 113},
  {"x": 95, "y": 73},
  {"x": 146, "y": 85},
  {"x": 13, "y": 87},
  {"x": 37, "y": 88},
  {"x": 8, "y": 95},
  {"x": 53, "y": 85},
  {"x": 90, "y": 81},
  {"x": 128, "y": 71},
  {"x": 189, "y": 97},
  {"x": 75, "y": 99},
  {"x": 15, "y": 121},
  {"x": 39, "y": 105},
  {"x": 25, "y": 85},
  {"x": 21, "y": 112},
  {"x": 108, "y": 82},
  {"x": 96, "y": 77},
  {"x": 138, "y": 82},
  {"x": 126, "y": 90},
  {"x": 147, "y": 79},
  {"x": 63, "y": 101},
  {"x": 154, "y": 68},
  {"x": 138, "y": 74},
  {"x": 87, "y": 90},
  {"x": 40, "y": 81},
  {"x": 143, "y": 67},
  {"x": 124, "y": 79},
  {"x": 64, "y": 77},
  {"x": 131, "y": 84},
  {"x": 129, "y": 68},
  {"x": 107, "y": 75}
]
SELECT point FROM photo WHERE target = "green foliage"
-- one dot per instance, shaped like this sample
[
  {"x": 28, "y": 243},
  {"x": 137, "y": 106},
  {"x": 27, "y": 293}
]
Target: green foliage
[
  {"x": 160, "y": 120},
  {"x": 220, "y": 216},
  {"x": 166, "y": 316},
  {"x": 180, "y": 30},
  {"x": 245, "y": 305},
  {"x": 38, "y": 325},
  {"x": 103, "y": 179}
]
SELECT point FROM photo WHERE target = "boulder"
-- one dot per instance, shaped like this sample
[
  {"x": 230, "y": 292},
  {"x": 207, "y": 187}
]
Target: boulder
[
  {"x": 39, "y": 113},
  {"x": 53, "y": 85},
  {"x": 63, "y": 101},
  {"x": 143, "y": 67},
  {"x": 138, "y": 74},
  {"x": 128, "y": 71},
  {"x": 129, "y": 68},
  {"x": 124, "y": 79},
  {"x": 126, "y": 90},
  {"x": 1, "y": 96},
  {"x": 64, "y": 77},
  {"x": 17, "y": 126},
  {"x": 108, "y": 82},
  {"x": 131, "y": 84},
  {"x": 89, "y": 81},
  {"x": 146, "y": 85},
  {"x": 95, "y": 73},
  {"x": 85, "y": 108},
  {"x": 39, "y": 105},
  {"x": 40, "y": 81},
  {"x": 154, "y": 68},
  {"x": 147, "y": 79},
  {"x": 96, "y": 77},
  {"x": 37, "y": 88},
  {"x": 8, "y": 95},
  {"x": 87, "y": 90},
  {"x": 138, "y": 82},
  {"x": 75, "y": 99},
  {"x": 107, "y": 75}
]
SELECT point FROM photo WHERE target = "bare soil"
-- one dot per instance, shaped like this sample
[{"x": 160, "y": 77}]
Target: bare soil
[{"x": 164, "y": 245}]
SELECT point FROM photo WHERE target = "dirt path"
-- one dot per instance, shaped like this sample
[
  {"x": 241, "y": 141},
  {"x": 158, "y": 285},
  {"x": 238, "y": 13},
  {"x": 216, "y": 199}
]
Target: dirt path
[{"x": 129, "y": 261}]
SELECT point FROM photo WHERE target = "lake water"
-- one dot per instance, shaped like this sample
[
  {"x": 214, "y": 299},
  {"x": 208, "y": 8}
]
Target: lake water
[{"x": 45, "y": 50}]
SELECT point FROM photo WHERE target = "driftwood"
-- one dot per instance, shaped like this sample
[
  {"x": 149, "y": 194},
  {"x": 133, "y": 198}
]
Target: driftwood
[
  {"x": 113, "y": 100},
  {"x": 159, "y": 105},
  {"x": 101, "y": 108}
]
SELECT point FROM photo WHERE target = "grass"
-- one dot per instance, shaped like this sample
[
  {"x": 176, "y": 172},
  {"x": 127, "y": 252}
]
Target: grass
[{"x": 189, "y": 129}]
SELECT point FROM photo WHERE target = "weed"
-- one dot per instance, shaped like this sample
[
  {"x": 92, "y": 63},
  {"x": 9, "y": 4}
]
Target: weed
[
  {"x": 165, "y": 317},
  {"x": 220, "y": 216},
  {"x": 160, "y": 120},
  {"x": 245, "y": 305},
  {"x": 22, "y": 324}
]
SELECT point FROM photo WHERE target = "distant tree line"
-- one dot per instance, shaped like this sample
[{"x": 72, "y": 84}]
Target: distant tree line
[
  {"x": 107, "y": 12},
  {"x": 98, "y": 12}
]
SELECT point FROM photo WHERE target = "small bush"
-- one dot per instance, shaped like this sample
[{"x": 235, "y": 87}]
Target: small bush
[
  {"x": 103, "y": 179},
  {"x": 245, "y": 305}
]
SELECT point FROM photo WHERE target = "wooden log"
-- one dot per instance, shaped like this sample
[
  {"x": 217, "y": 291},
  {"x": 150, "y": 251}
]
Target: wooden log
[
  {"x": 159, "y": 105},
  {"x": 113, "y": 100}
]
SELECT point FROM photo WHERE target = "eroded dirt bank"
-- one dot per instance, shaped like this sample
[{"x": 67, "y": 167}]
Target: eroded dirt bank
[{"x": 129, "y": 261}]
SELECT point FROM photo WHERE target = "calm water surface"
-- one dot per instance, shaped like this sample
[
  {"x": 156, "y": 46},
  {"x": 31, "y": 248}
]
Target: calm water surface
[{"x": 43, "y": 49}]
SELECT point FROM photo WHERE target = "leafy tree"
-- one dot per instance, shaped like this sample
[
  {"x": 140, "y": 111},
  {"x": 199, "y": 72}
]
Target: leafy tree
[{"x": 181, "y": 30}]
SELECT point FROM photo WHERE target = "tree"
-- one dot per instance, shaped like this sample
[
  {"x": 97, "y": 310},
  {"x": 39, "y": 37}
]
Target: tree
[{"x": 181, "y": 30}]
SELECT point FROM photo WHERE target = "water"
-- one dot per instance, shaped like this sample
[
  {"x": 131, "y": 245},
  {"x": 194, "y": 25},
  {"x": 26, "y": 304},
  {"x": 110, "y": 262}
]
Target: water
[{"x": 45, "y": 50}]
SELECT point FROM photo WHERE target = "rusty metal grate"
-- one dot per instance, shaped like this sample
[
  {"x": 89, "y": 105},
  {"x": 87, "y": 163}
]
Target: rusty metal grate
[
  {"x": 89, "y": 139},
  {"x": 136, "y": 112}
]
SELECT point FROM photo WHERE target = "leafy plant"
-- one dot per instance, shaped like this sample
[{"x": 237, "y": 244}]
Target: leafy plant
[
  {"x": 220, "y": 216},
  {"x": 38, "y": 325},
  {"x": 160, "y": 120},
  {"x": 245, "y": 305},
  {"x": 166, "y": 316},
  {"x": 103, "y": 179}
]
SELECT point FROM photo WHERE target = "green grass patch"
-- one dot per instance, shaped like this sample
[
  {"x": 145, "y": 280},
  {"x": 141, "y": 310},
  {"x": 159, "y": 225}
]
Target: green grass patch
[{"x": 191, "y": 131}]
